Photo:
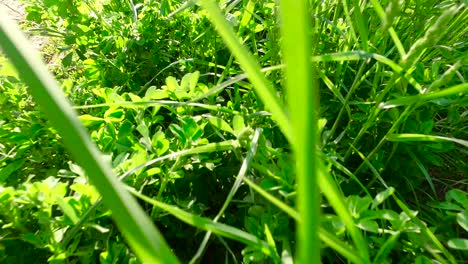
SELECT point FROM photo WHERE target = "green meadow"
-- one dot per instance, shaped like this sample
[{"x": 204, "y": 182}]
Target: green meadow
[{"x": 234, "y": 131}]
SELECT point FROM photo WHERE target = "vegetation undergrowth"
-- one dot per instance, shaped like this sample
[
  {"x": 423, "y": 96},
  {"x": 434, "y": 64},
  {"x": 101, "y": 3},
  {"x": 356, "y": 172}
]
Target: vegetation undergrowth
[{"x": 247, "y": 131}]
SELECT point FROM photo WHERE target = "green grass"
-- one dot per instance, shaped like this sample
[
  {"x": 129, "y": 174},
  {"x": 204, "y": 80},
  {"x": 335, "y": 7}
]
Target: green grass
[{"x": 235, "y": 131}]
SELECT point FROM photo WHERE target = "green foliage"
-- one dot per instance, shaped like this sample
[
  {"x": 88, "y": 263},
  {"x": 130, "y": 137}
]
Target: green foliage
[
  {"x": 28, "y": 145},
  {"x": 177, "y": 117}
]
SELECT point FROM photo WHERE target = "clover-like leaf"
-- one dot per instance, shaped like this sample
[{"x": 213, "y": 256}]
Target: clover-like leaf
[
  {"x": 458, "y": 196},
  {"x": 368, "y": 225},
  {"x": 462, "y": 219},
  {"x": 382, "y": 196},
  {"x": 458, "y": 243},
  {"x": 220, "y": 124}
]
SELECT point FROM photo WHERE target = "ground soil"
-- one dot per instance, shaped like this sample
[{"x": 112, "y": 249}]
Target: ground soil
[{"x": 14, "y": 9}]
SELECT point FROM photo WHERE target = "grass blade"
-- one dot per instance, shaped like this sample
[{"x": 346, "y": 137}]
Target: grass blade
[
  {"x": 460, "y": 90},
  {"x": 381, "y": 13},
  {"x": 338, "y": 245},
  {"x": 361, "y": 25},
  {"x": 205, "y": 223},
  {"x": 137, "y": 228},
  {"x": 420, "y": 137},
  {"x": 423, "y": 171},
  {"x": 262, "y": 86},
  {"x": 301, "y": 92}
]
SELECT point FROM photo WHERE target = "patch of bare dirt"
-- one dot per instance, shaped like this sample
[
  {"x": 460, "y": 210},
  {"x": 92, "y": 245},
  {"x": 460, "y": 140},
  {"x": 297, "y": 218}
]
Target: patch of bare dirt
[{"x": 15, "y": 10}]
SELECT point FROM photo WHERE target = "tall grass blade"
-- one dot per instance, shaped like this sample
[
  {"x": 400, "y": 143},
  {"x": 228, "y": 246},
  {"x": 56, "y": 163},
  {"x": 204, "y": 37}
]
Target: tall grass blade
[
  {"x": 386, "y": 248},
  {"x": 338, "y": 245},
  {"x": 262, "y": 86},
  {"x": 302, "y": 99},
  {"x": 137, "y": 228},
  {"x": 361, "y": 25},
  {"x": 460, "y": 90},
  {"x": 381, "y": 13}
]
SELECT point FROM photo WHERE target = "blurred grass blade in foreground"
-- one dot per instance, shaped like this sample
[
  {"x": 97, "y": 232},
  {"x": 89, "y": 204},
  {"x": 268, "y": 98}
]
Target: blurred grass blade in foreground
[{"x": 301, "y": 93}]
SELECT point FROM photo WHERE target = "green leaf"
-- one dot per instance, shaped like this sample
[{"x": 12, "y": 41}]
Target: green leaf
[
  {"x": 458, "y": 196},
  {"x": 423, "y": 260},
  {"x": 336, "y": 223},
  {"x": 144, "y": 131},
  {"x": 7, "y": 68},
  {"x": 382, "y": 196},
  {"x": 9, "y": 169},
  {"x": 113, "y": 115},
  {"x": 458, "y": 243},
  {"x": 238, "y": 124},
  {"x": 462, "y": 219},
  {"x": 67, "y": 60},
  {"x": 153, "y": 171},
  {"x": 321, "y": 124},
  {"x": 89, "y": 120},
  {"x": 179, "y": 132},
  {"x": 155, "y": 94},
  {"x": 6, "y": 194},
  {"x": 85, "y": 190},
  {"x": 368, "y": 225},
  {"x": 67, "y": 209},
  {"x": 357, "y": 204},
  {"x": 193, "y": 81},
  {"x": 160, "y": 143},
  {"x": 380, "y": 214},
  {"x": 172, "y": 84},
  {"x": 189, "y": 82},
  {"x": 220, "y": 124},
  {"x": 125, "y": 129}
]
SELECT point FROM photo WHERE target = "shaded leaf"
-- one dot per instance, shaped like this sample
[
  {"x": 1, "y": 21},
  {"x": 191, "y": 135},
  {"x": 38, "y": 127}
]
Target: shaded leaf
[
  {"x": 458, "y": 243},
  {"x": 9, "y": 169},
  {"x": 458, "y": 196}
]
